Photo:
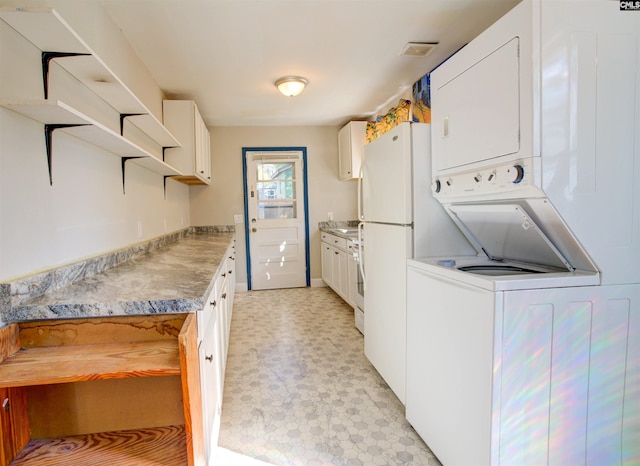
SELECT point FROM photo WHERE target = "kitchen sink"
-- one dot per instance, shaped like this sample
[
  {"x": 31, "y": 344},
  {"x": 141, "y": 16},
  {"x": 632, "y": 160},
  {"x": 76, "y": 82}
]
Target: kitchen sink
[{"x": 346, "y": 231}]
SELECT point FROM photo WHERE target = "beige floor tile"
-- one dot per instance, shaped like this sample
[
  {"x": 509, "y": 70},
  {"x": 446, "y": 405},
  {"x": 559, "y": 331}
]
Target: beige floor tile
[{"x": 299, "y": 390}]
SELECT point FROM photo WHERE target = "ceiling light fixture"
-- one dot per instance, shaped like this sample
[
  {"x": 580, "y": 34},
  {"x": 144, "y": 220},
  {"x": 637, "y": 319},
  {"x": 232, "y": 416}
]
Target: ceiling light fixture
[{"x": 291, "y": 86}]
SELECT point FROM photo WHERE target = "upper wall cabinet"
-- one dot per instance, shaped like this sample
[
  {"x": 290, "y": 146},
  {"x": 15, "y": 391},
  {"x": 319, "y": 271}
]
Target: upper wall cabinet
[
  {"x": 58, "y": 44},
  {"x": 193, "y": 158},
  {"x": 351, "y": 140}
]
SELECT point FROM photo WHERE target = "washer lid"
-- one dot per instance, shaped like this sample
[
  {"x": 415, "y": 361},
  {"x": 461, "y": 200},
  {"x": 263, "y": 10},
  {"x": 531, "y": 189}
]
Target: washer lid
[{"x": 507, "y": 232}]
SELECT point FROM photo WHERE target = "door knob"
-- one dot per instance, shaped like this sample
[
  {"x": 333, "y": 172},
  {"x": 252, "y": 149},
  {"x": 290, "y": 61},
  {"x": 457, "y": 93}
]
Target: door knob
[{"x": 254, "y": 230}]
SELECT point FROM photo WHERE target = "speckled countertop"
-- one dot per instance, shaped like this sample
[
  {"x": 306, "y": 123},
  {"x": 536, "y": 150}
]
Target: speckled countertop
[
  {"x": 177, "y": 277},
  {"x": 334, "y": 228}
]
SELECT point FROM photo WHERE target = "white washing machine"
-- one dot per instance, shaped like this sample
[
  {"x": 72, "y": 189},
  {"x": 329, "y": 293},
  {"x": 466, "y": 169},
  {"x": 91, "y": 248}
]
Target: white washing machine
[
  {"x": 529, "y": 352},
  {"x": 522, "y": 362}
]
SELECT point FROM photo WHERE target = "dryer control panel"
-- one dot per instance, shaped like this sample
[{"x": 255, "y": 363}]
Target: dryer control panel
[{"x": 515, "y": 179}]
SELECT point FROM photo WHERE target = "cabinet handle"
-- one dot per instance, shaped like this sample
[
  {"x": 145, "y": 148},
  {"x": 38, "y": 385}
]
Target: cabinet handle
[
  {"x": 224, "y": 295},
  {"x": 224, "y": 274},
  {"x": 6, "y": 405},
  {"x": 213, "y": 303},
  {"x": 209, "y": 358},
  {"x": 230, "y": 271},
  {"x": 336, "y": 252}
]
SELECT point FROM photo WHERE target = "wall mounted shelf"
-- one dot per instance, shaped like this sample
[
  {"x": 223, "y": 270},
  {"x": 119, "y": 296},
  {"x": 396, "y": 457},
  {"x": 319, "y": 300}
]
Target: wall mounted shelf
[
  {"x": 45, "y": 29},
  {"x": 58, "y": 116}
]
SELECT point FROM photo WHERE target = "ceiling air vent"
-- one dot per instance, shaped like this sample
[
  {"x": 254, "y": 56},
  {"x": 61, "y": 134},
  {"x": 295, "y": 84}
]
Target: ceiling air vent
[{"x": 418, "y": 49}]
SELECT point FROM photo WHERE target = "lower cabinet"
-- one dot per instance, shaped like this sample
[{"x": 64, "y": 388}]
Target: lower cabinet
[
  {"x": 137, "y": 389},
  {"x": 214, "y": 325},
  {"x": 337, "y": 270},
  {"x": 210, "y": 383},
  {"x": 81, "y": 390}
]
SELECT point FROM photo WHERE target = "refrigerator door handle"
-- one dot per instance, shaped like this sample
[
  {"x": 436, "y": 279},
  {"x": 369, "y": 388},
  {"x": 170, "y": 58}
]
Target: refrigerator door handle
[
  {"x": 360, "y": 175},
  {"x": 361, "y": 257}
]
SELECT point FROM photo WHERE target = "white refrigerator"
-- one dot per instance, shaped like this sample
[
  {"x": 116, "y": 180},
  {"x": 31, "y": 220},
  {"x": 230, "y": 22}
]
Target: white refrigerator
[{"x": 400, "y": 220}]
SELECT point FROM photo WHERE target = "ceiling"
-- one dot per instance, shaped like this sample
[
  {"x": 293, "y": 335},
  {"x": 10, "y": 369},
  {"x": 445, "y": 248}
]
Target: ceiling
[{"x": 226, "y": 54}]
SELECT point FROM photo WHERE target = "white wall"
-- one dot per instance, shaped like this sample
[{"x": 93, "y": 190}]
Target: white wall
[
  {"x": 84, "y": 212},
  {"x": 217, "y": 204}
]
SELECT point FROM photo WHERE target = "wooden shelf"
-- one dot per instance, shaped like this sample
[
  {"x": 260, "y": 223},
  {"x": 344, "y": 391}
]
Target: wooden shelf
[
  {"x": 50, "y": 112},
  {"x": 44, "y": 353},
  {"x": 45, "y": 29},
  {"x": 60, "y": 364},
  {"x": 142, "y": 447}
]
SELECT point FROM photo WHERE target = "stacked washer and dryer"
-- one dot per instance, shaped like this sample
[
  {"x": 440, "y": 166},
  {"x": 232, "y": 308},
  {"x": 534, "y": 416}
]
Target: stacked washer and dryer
[{"x": 529, "y": 351}]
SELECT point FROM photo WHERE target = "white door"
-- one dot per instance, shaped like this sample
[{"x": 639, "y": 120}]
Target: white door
[{"x": 276, "y": 213}]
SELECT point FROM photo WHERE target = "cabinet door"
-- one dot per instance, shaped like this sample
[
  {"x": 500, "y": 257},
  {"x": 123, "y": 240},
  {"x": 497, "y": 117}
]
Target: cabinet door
[
  {"x": 327, "y": 258},
  {"x": 351, "y": 140},
  {"x": 203, "y": 148},
  {"x": 210, "y": 386},
  {"x": 193, "y": 158},
  {"x": 335, "y": 269}
]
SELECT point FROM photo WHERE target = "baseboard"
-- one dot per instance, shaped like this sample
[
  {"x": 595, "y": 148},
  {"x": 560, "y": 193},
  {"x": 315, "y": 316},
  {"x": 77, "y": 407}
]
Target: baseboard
[
  {"x": 315, "y": 283},
  {"x": 241, "y": 287}
]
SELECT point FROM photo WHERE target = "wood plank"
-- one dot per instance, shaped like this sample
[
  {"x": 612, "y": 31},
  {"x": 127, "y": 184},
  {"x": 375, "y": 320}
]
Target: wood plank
[
  {"x": 9, "y": 341},
  {"x": 19, "y": 413},
  {"x": 63, "y": 332},
  {"x": 45, "y": 365},
  {"x": 66, "y": 409},
  {"x": 14, "y": 423},
  {"x": 191, "y": 395},
  {"x": 160, "y": 446}
]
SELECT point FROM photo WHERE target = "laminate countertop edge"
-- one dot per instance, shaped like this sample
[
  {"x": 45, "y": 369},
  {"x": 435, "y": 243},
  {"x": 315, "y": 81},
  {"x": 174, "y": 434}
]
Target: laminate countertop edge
[{"x": 175, "y": 277}]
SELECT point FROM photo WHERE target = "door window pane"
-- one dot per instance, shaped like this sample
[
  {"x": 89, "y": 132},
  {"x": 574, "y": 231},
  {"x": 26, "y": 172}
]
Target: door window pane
[
  {"x": 268, "y": 210},
  {"x": 276, "y": 190}
]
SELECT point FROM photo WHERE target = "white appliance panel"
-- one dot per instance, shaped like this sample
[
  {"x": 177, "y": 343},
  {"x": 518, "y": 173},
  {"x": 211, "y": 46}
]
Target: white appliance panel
[
  {"x": 589, "y": 127},
  {"x": 562, "y": 366},
  {"x": 386, "y": 181},
  {"x": 385, "y": 301},
  {"x": 449, "y": 367},
  {"x": 478, "y": 111},
  {"x": 578, "y": 119},
  {"x": 483, "y": 103},
  {"x": 434, "y": 233}
]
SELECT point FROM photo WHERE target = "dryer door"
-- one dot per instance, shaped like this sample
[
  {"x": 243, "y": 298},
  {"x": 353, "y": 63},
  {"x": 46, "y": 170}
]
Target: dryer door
[{"x": 476, "y": 115}]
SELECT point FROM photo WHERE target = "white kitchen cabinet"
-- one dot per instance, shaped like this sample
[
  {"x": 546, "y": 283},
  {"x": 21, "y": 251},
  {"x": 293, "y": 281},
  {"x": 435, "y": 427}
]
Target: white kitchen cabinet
[
  {"x": 214, "y": 323},
  {"x": 193, "y": 158},
  {"x": 326, "y": 256},
  {"x": 335, "y": 264},
  {"x": 351, "y": 141},
  {"x": 210, "y": 384}
]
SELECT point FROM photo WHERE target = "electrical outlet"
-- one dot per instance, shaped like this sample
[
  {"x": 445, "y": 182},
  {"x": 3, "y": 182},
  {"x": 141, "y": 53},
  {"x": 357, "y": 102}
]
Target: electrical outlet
[
  {"x": 237, "y": 218},
  {"x": 329, "y": 215},
  {"x": 139, "y": 229}
]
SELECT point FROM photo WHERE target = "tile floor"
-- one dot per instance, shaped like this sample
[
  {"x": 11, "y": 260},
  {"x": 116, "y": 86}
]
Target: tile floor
[{"x": 299, "y": 390}]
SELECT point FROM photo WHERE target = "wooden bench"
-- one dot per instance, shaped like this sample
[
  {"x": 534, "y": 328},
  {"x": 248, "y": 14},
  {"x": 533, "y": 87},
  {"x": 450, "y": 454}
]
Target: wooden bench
[{"x": 40, "y": 361}]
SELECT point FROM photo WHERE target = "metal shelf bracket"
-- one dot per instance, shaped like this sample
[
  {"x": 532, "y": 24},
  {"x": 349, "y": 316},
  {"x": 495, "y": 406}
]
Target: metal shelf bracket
[
  {"x": 48, "y": 135},
  {"x": 124, "y": 161},
  {"x": 46, "y": 58}
]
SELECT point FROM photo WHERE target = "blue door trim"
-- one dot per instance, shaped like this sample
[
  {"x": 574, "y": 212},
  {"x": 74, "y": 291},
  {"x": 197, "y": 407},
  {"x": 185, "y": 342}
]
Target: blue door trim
[{"x": 305, "y": 200}]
